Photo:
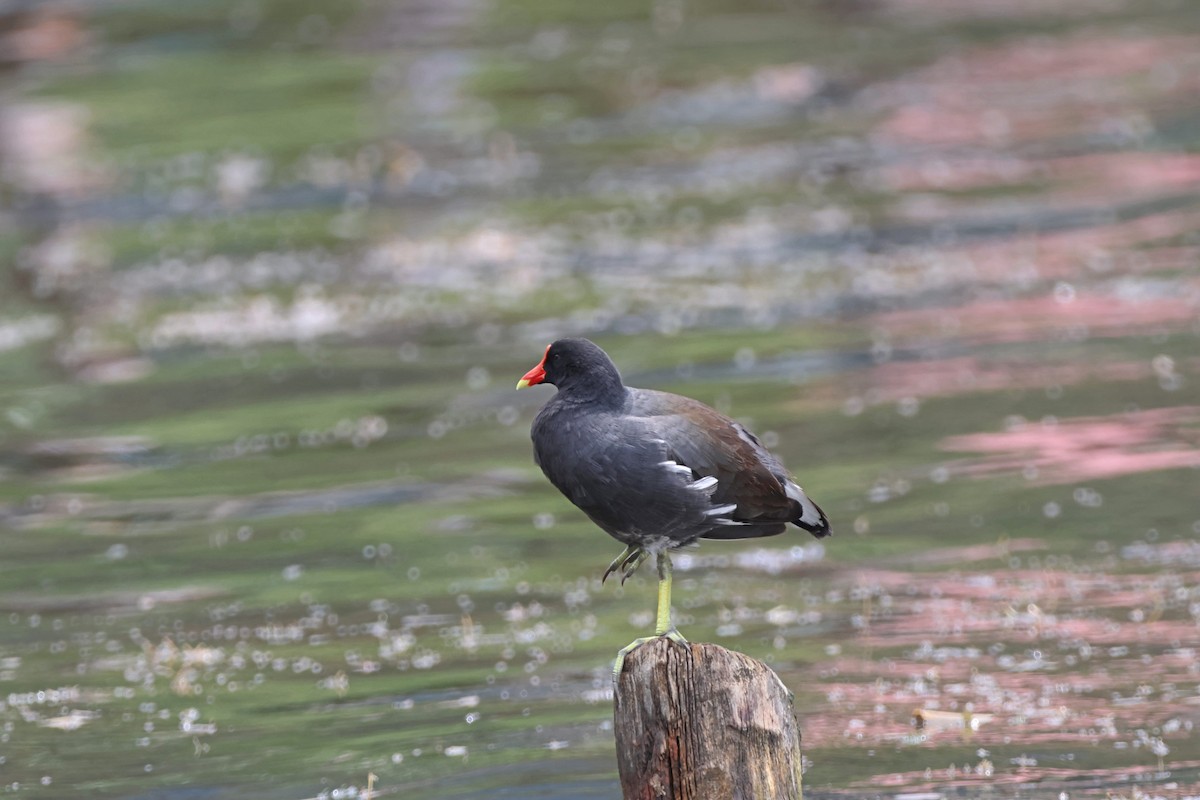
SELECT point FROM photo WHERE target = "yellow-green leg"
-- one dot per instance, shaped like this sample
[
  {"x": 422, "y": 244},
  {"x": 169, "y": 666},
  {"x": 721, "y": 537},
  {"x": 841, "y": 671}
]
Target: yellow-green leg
[{"x": 662, "y": 623}]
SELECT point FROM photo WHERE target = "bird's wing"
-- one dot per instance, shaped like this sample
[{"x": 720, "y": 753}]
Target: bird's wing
[{"x": 712, "y": 445}]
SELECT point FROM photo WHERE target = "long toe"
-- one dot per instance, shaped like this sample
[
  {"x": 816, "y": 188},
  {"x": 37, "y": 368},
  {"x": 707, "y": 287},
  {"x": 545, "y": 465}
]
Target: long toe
[
  {"x": 631, "y": 565},
  {"x": 675, "y": 636},
  {"x": 618, "y": 563},
  {"x": 619, "y": 663}
]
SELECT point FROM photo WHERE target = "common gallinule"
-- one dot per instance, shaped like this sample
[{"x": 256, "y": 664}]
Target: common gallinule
[{"x": 656, "y": 471}]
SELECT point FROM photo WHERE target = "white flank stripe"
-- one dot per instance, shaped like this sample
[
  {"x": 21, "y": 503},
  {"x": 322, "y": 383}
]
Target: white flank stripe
[
  {"x": 717, "y": 511},
  {"x": 676, "y": 467}
]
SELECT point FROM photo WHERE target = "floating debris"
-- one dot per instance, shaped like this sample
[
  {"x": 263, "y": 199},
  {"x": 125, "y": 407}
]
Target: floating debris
[{"x": 934, "y": 720}]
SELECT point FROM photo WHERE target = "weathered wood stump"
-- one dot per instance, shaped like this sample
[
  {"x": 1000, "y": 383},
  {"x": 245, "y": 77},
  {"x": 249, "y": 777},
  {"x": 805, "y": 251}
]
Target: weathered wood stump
[{"x": 699, "y": 722}]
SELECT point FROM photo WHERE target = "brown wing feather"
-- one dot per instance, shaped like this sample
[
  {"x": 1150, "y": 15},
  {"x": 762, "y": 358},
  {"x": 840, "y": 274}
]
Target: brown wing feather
[{"x": 712, "y": 444}]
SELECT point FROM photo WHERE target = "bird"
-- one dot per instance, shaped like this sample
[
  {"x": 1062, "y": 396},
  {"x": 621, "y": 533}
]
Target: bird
[{"x": 656, "y": 471}]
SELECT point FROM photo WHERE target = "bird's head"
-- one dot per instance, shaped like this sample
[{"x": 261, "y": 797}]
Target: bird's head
[{"x": 575, "y": 365}]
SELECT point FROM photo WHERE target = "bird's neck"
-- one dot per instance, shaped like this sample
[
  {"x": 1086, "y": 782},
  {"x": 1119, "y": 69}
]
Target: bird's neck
[{"x": 596, "y": 388}]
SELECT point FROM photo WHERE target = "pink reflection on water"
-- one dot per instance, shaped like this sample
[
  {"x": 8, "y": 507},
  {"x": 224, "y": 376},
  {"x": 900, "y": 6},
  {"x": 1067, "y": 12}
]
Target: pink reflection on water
[
  {"x": 894, "y": 381},
  {"x": 998, "y": 9},
  {"x": 919, "y": 781},
  {"x": 1134, "y": 174},
  {"x": 1083, "y": 315},
  {"x": 1090, "y": 177},
  {"x": 1051, "y": 662},
  {"x": 1137, "y": 246},
  {"x": 1087, "y": 448},
  {"x": 1038, "y": 88}
]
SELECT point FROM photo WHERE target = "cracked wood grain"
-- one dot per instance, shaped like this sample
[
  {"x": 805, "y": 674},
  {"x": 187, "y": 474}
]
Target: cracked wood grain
[{"x": 699, "y": 722}]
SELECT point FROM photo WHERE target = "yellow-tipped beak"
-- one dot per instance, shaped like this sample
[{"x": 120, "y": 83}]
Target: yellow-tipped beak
[{"x": 535, "y": 375}]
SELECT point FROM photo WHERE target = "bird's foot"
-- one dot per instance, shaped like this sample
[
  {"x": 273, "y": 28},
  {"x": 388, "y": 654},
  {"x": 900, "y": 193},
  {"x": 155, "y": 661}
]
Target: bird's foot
[
  {"x": 673, "y": 634},
  {"x": 670, "y": 634},
  {"x": 626, "y": 563}
]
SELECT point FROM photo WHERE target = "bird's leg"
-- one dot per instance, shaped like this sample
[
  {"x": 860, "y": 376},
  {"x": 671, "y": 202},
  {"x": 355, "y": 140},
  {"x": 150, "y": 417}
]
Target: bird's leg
[
  {"x": 662, "y": 624},
  {"x": 626, "y": 563}
]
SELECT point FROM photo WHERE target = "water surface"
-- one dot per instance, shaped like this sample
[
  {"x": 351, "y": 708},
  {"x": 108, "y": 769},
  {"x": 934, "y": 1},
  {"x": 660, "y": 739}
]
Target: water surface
[{"x": 270, "y": 520}]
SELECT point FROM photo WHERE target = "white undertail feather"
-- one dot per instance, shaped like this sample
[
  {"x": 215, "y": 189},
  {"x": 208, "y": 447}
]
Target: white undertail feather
[
  {"x": 676, "y": 467},
  {"x": 812, "y": 515}
]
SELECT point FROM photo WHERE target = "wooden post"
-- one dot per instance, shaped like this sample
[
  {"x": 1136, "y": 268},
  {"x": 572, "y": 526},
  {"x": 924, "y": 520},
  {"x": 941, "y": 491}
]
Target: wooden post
[{"x": 699, "y": 722}]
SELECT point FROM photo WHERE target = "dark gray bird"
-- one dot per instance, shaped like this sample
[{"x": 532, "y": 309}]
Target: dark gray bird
[{"x": 656, "y": 471}]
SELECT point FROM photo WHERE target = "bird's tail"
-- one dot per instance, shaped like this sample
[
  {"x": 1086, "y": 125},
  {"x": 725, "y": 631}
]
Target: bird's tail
[{"x": 808, "y": 515}]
